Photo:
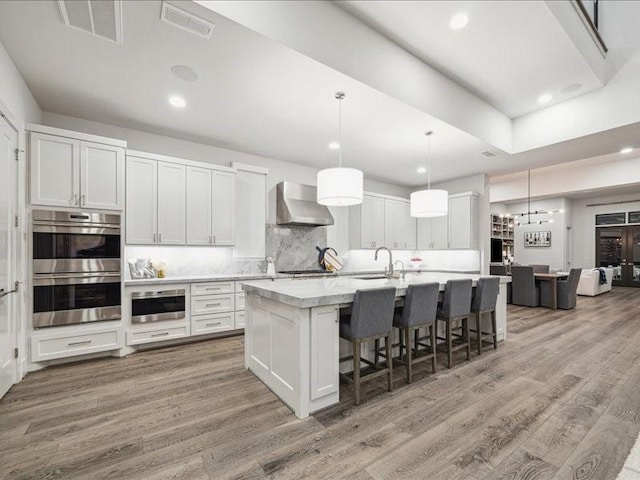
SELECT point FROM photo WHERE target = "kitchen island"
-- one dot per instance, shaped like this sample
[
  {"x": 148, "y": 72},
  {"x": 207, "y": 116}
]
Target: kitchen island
[{"x": 292, "y": 339}]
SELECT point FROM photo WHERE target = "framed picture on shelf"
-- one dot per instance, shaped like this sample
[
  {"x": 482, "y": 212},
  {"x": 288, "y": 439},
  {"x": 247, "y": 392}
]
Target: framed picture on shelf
[{"x": 537, "y": 239}]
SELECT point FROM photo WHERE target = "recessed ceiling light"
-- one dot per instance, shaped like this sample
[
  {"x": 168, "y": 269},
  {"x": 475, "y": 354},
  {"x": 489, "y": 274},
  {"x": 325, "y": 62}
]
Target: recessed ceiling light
[
  {"x": 334, "y": 146},
  {"x": 177, "y": 101},
  {"x": 544, "y": 98},
  {"x": 421, "y": 170},
  {"x": 184, "y": 72},
  {"x": 458, "y": 21},
  {"x": 626, "y": 150}
]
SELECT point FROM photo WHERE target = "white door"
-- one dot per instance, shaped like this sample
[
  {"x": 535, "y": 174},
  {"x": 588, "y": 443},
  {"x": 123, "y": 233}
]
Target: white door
[
  {"x": 101, "y": 176},
  {"x": 171, "y": 204},
  {"x": 8, "y": 184},
  {"x": 199, "y": 202},
  {"x": 224, "y": 200},
  {"x": 142, "y": 200},
  {"x": 55, "y": 170}
]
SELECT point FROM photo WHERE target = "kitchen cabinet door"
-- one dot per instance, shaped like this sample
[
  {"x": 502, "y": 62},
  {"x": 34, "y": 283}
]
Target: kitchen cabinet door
[
  {"x": 408, "y": 238},
  {"x": 460, "y": 218},
  {"x": 373, "y": 222},
  {"x": 171, "y": 204},
  {"x": 440, "y": 232},
  {"x": 199, "y": 206},
  {"x": 392, "y": 224},
  {"x": 55, "y": 170},
  {"x": 142, "y": 198},
  {"x": 101, "y": 176},
  {"x": 424, "y": 233},
  {"x": 224, "y": 201}
]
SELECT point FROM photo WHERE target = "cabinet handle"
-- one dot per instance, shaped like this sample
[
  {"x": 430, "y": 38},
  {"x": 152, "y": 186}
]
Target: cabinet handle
[
  {"x": 159, "y": 238},
  {"x": 212, "y": 304},
  {"x": 83, "y": 200},
  {"x": 154, "y": 238},
  {"x": 210, "y": 240},
  {"x": 75, "y": 344},
  {"x": 214, "y": 239},
  {"x": 214, "y": 324},
  {"x": 74, "y": 199},
  {"x": 163, "y": 334}
]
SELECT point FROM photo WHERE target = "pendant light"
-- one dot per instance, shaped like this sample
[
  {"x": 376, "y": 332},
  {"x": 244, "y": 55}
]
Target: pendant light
[
  {"x": 529, "y": 212},
  {"x": 340, "y": 187},
  {"x": 429, "y": 203}
]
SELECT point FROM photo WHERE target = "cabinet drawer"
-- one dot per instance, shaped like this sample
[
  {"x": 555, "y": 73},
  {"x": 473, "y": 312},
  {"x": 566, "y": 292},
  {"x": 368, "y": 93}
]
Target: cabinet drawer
[
  {"x": 220, "y": 322},
  {"x": 211, "y": 288},
  {"x": 240, "y": 301},
  {"x": 207, "y": 304},
  {"x": 157, "y": 334},
  {"x": 52, "y": 346},
  {"x": 240, "y": 319}
]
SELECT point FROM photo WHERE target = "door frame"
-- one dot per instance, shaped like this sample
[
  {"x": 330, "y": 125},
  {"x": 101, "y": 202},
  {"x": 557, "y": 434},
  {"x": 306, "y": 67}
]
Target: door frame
[
  {"x": 626, "y": 277},
  {"x": 19, "y": 267}
]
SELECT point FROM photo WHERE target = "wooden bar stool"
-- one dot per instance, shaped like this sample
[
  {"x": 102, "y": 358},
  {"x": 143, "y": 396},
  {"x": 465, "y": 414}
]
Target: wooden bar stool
[
  {"x": 484, "y": 302},
  {"x": 419, "y": 311},
  {"x": 371, "y": 319},
  {"x": 456, "y": 306}
]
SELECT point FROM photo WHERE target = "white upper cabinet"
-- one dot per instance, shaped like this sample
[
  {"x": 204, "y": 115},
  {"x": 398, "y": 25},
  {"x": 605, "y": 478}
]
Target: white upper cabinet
[
  {"x": 101, "y": 176},
  {"x": 381, "y": 221},
  {"x": 171, "y": 204},
  {"x": 463, "y": 222},
  {"x": 440, "y": 232},
  {"x": 142, "y": 201},
  {"x": 55, "y": 170},
  {"x": 71, "y": 172},
  {"x": 224, "y": 197},
  {"x": 199, "y": 206},
  {"x": 250, "y": 211}
]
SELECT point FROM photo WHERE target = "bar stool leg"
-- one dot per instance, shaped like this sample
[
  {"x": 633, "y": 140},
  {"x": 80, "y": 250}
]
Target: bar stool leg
[
  {"x": 401, "y": 337},
  {"x": 376, "y": 355},
  {"x": 432, "y": 341},
  {"x": 389, "y": 346},
  {"x": 449, "y": 345},
  {"x": 356, "y": 370},
  {"x": 479, "y": 332},
  {"x": 465, "y": 325},
  {"x": 495, "y": 330},
  {"x": 407, "y": 357}
]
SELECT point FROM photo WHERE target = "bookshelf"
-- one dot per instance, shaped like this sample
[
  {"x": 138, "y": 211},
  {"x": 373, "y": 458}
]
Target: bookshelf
[{"x": 502, "y": 227}]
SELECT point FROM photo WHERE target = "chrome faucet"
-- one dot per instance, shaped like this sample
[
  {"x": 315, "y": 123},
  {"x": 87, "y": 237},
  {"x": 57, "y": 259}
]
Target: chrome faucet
[
  {"x": 388, "y": 270},
  {"x": 404, "y": 270}
]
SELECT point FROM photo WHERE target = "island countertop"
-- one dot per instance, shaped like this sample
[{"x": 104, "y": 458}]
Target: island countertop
[{"x": 316, "y": 292}]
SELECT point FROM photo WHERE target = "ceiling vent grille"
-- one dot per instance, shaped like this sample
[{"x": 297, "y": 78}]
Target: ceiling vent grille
[
  {"x": 102, "y": 18},
  {"x": 490, "y": 153},
  {"x": 186, "y": 21}
]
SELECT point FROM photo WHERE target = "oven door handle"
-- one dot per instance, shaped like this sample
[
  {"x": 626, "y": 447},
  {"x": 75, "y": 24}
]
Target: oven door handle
[{"x": 74, "y": 278}]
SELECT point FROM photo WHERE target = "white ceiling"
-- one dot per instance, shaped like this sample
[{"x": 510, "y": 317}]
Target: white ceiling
[
  {"x": 253, "y": 95},
  {"x": 509, "y": 54}
]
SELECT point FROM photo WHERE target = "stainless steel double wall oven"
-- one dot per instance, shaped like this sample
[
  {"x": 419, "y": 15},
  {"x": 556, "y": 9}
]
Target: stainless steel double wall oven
[{"x": 76, "y": 267}]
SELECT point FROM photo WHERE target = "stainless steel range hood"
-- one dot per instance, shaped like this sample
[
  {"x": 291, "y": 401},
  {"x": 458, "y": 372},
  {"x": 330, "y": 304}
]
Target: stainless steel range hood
[{"x": 297, "y": 205}]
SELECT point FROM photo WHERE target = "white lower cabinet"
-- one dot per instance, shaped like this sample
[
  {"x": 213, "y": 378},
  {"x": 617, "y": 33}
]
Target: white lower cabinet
[
  {"x": 158, "y": 332},
  {"x": 208, "y": 304},
  {"x": 219, "y": 322},
  {"x": 70, "y": 341},
  {"x": 241, "y": 320}
]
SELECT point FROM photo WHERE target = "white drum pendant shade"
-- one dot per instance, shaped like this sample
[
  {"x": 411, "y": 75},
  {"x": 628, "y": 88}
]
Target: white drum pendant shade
[
  {"x": 340, "y": 187},
  {"x": 429, "y": 203}
]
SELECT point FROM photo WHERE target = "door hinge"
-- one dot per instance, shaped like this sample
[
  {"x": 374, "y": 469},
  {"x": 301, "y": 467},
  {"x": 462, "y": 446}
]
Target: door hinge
[
  {"x": 18, "y": 152},
  {"x": 15, "y": 223},
  {"x": 16, "y": 353}
]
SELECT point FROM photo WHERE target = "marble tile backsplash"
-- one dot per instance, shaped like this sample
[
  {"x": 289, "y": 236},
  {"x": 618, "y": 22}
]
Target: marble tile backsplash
[
  {"x": 450, "y": 260},
  {"x": 294, "y": 247}
]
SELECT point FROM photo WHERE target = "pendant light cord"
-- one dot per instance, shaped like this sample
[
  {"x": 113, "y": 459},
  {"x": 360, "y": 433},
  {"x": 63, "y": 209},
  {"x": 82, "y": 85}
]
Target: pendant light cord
[
  {"x": 340, "y": 132},
  {"x": 428, "y": 134},
  {"x": 528, "y": 197}
]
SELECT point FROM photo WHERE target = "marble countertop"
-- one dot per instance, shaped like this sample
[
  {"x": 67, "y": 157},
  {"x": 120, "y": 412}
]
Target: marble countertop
[
  {"x": 315, "y": 292},
  {"x": 252, "y": 276}
]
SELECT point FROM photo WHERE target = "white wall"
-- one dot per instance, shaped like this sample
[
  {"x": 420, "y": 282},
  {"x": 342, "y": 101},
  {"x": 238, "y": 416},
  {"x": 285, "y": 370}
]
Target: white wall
[
  {"x": 584, "y": 225},
  {"x": 14, "y": 91}
]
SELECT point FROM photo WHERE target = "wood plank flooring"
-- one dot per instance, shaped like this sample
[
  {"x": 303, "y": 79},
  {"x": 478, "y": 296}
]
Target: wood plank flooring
[{"x": 560, "y": 399}]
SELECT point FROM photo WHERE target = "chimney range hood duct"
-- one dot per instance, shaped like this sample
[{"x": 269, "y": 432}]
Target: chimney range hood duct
[{"x": 297, "y": 205}]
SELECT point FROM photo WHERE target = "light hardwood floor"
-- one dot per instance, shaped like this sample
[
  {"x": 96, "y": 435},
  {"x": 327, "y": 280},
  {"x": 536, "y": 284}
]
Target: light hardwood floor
[{"x": 559, "y": 400}]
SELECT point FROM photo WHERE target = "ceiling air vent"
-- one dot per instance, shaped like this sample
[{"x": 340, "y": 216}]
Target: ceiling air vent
[
  {"x": 490, "y": 153},
  {"x": 102, "y": 18},
  {"x": 186, "y": 21}
]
